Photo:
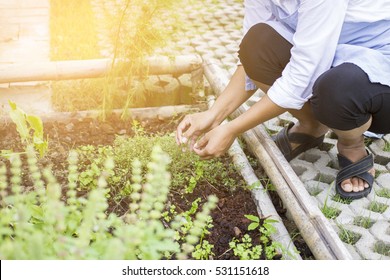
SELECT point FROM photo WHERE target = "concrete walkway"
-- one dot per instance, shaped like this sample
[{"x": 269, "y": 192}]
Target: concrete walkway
[{"x": 25, "y": 38}]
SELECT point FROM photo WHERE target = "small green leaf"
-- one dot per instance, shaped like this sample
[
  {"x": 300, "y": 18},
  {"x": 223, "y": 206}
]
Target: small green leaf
[
  {"x": 37, "y": 212},
  {"x": 270, "y": 228},
  {"x": 253, "y": 226},
  {"x": 19, "y": 118},
  {"x": 36, "y": 124},
  {"x": 252, "y": 218},
  {"x": 271, "y": 221}
]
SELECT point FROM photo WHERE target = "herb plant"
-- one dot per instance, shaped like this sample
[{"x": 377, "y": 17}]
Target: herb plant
[{"x": 38, "y": 224}]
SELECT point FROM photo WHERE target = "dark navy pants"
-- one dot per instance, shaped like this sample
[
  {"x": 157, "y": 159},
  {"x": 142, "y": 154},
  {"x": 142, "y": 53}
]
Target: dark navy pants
[{"x": 343, "y": 97}]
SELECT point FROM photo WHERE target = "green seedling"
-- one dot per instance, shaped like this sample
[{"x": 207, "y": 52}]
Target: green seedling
[{"x": 30, "y": 128}]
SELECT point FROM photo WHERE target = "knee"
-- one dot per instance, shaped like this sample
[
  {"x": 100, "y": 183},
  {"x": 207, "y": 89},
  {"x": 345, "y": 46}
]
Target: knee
[
  {"x": 325, "y": 91},
  {"x": 255, "y": 49},
  {"x": 255, "y": 40},
  {"x": 325, "y": 98},
  {"x": 331, "y": 101}
]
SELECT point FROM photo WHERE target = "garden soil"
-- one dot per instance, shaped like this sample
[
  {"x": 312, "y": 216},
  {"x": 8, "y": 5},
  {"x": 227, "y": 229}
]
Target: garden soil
[{"x": 228, "y": 217}]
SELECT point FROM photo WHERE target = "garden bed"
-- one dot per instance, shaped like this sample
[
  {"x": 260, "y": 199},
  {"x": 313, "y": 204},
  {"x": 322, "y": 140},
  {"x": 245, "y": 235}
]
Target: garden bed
[{"x": 193, "y": 181}]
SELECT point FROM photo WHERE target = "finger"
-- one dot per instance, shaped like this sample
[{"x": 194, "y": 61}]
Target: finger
[
  {"x": 190, "y": 134},
  {"x": 202, "y": 142},
  {"x": 203, "y": 153},
  {"x": 200, "y": 147},
  {"x": 193, "y": 139},
  {"x": 177, "y": 138},
  {"x": 181, "y": 128}
]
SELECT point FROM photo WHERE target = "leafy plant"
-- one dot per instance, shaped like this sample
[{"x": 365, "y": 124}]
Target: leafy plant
[
  {"x": 183, "y": 167},
  {"x": 186, "y": 224},
  {"x": 95, "y": 157},
  {"x": 245, "y": 250},
  {"x": 200, "y": 225},
  {"x": 266, "y": 229},
  {"x": 29, "y": 127},
  {"x": 196, "y": 177},
  {"x": 37, "y": 224},
  {"x": 203, "y": 251}
]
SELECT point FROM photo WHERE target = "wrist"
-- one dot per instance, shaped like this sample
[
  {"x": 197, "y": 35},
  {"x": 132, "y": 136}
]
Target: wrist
[
  {"x": 233, "y": 128},
  {"x": 217, "y": 114}
]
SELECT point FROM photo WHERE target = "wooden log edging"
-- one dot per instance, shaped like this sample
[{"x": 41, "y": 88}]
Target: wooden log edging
[
  {"x": 161, "y": 113},
  {"x": 265, "y": 207},
  {"x": 94, "y": 68},
  {"x": 314, "y": 227}
]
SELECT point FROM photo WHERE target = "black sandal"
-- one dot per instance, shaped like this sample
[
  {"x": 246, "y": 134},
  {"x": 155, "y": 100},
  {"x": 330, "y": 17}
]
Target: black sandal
[
  {"x": 358, "y": 169},
  {"x": 283, "y": 140}
]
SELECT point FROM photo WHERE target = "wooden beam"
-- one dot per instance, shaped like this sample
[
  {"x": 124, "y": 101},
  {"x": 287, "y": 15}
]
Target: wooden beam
[{"x": 81, "y": 69}]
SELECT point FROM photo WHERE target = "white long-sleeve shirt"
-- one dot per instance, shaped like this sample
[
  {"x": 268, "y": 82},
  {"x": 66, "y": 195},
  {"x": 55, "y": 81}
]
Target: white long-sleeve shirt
[{"x": 324, "y": 33}]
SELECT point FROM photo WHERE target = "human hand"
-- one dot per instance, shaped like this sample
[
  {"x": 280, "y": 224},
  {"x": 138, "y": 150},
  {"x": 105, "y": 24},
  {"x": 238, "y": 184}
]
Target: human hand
[
  {"x": 193, "y": 126},
  {"x": 215, "y": 142}
]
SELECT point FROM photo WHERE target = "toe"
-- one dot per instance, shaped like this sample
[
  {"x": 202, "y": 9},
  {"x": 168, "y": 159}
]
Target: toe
[
  {"x": 361, "y": 185},
  {"x": 347, "y": 185},
  {"x": 355, "y": 184}
]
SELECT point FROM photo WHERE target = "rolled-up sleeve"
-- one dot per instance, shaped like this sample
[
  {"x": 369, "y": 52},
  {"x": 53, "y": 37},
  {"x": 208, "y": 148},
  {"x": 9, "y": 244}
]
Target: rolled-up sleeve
[{"x": 314, "y": 46}]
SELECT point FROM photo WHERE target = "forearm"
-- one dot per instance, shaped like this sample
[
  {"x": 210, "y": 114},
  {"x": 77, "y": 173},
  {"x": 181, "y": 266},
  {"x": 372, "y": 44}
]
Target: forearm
[
  {"x": 260, "y": 112},
  {"x": 232, "y": 97}
]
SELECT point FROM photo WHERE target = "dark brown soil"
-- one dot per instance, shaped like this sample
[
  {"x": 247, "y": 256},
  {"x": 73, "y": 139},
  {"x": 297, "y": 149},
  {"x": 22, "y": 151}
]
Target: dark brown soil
[{"x": 228, "y": 217}]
